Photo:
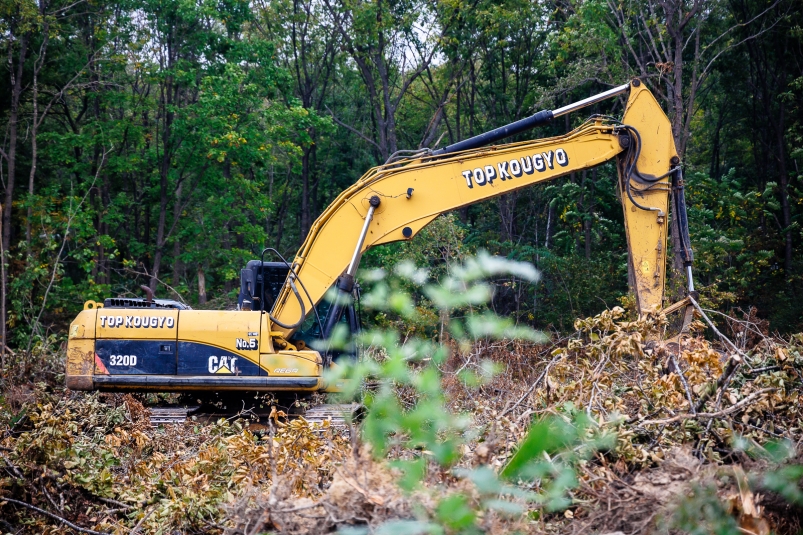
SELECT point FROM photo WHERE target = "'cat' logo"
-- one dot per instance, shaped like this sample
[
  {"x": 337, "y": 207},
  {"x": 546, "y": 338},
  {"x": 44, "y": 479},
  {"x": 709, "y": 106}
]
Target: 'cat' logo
[{"x": 222, "y": 364}]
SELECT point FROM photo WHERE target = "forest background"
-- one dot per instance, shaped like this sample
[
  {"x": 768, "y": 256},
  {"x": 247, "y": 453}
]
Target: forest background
[{"x": 166, "y": 142}]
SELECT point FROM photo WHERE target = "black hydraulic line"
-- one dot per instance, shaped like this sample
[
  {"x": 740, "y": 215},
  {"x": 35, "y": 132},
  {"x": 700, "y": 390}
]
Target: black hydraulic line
[
  {"x": 537, "y": 119},
  {"x": 681, "y": 217},
  {"x": 290, "y": 271},
  {"x": 301, "y": 304},
  {"x": 542, "y": 117},
  {"x": 345, "y": 285}
]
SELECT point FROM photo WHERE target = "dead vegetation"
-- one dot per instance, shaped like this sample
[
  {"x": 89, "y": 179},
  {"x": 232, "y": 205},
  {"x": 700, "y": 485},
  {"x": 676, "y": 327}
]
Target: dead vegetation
[{"x": 691, "y": 429}]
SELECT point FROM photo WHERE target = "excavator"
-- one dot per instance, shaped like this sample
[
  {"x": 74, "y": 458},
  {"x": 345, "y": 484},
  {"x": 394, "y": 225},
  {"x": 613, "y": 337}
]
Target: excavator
[{"x": 160, "y": 345}]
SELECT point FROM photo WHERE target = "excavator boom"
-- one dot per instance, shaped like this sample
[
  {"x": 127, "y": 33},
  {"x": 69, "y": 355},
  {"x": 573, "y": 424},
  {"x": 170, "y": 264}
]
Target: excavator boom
[{"x": 413, "y": 192}]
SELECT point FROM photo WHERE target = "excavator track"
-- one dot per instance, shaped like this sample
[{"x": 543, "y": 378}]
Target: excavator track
[
  {"x": 338, "y": 416},
  {"x": 169, "y": 415}
]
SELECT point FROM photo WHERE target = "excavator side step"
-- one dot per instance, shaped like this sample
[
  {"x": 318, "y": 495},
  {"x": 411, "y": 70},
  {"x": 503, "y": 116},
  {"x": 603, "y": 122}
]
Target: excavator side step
[{"x": 164, "y": 383}]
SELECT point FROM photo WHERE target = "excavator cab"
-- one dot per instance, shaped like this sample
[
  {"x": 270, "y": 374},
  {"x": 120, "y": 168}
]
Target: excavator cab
[{"x": 261, "y": 282}]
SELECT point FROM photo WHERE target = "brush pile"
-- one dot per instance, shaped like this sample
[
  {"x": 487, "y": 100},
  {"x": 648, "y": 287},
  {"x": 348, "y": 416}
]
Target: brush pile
[{"x": 704, "y": 438}]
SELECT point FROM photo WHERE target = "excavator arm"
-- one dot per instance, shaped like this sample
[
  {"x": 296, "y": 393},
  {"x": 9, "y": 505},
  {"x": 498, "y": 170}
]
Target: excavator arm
[{"x": 395, "y": 201}]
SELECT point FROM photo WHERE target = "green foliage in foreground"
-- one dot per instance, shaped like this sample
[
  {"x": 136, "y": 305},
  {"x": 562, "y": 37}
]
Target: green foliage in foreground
[
  {"x": 435, "y": 432},
  {"x": 541, "y": 474}
]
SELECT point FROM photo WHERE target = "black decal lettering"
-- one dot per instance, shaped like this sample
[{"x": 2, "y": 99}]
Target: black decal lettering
[
  {"x": 490, "y": 173},
  {"x": 538, "y": 163},
  {"x": 549, "y": 157},
  {"x": 561, "y": 157},
  {"x": 479, "y": 177},
  {"x": 503, "y": 174},
  {"x": 515, "y": 168}
]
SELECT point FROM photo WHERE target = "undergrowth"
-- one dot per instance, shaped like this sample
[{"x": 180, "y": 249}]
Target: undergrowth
[{"x": 487, "y": 428}]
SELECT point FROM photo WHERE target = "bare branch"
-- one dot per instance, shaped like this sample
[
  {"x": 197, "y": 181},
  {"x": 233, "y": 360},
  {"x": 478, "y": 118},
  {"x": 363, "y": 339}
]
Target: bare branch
[
  {"x": 708, "y": 415},
  {"x": 73, "y": 214},
  {"x": 66, "y": 8},
  {"x": 740, "y": 25},
  {"x": 353, "y": 130},
  {"x": 51, "y": 515}
]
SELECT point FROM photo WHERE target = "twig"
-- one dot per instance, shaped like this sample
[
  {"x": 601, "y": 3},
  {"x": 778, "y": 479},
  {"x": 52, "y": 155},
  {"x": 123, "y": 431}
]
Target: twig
[
  {"x": 146, "y": 274},
  {"x": 706, "y": 415},
  {"x": 70, "y": 219},
  {"x": 115, "y": 502},
  {"x": 716, "y": 331},
  {"x": 727, "y": 373},
  {"x": 54, "y": 517},
  {"x": 755, "y": 371},
  {"x": 683, "y": 381},
  {"x": 143, "y": 519},
  {"x": 534, "y": 385}
]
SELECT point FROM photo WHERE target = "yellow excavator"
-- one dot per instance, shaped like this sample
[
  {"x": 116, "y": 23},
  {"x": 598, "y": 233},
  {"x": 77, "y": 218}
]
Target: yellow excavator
[{"x": 159, "y": 345}]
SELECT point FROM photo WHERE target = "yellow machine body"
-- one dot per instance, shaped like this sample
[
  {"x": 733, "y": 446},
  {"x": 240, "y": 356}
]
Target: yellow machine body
[
  {"x": 179, "y": 350},
  {"x": 163, "y": 350}
]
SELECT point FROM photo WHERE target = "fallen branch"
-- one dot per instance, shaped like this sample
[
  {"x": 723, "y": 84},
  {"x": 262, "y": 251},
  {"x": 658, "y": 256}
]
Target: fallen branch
[
  {"x": 115, "y": 502},
  {"x": 534, "y": 385},
  {"x": 756, "y": 371},
  {"x": 142, "y": 520},
  {"x": 693, "y": 408},
  {"x": 727, "y": 373},
  {"x": 299, "y": 508},
  {"x": 706, "y": 415},
  {"x": 716, "y": 331},
  {"x": 52, "y": 516}
]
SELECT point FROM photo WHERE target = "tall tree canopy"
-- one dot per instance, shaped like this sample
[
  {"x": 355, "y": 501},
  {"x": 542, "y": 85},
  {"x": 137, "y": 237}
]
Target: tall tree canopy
[{"x": 167, "y": 142}]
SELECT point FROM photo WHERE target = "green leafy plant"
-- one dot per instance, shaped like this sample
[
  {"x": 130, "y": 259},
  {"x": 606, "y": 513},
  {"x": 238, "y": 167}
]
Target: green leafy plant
[{"x": 407, "y": 410}]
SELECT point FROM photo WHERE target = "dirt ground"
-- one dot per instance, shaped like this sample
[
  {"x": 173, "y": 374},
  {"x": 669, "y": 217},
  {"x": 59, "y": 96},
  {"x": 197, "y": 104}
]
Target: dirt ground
[{"x": 692, "y": 432}]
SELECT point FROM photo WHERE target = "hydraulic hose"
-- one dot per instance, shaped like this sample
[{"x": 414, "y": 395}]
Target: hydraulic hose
[
  {"x": 682, "y": 222},
  {"x": 300, "y": 303}
]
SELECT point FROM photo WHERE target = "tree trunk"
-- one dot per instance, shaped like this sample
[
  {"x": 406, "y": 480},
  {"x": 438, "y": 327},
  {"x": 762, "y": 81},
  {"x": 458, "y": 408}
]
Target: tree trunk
[
  {"x": 784, "y": 193},
  {"x": 589, "y": 217},
  {"x": 11, "y": 161},
  {"x": 305, "y": 192},
  {"x": 177, "y": 267},
  {"x": 201, "y": 286},
  {"x": 32, "y": 174},
  {"x": 164, "y": 173}
]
